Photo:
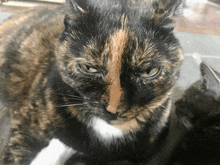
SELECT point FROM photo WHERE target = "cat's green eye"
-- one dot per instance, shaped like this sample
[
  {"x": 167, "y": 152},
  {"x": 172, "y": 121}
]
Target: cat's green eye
[
  {"x": 150, "y": 73},
  {"x": 92, "y": 70},
  {"x": 87, "y": 69}
]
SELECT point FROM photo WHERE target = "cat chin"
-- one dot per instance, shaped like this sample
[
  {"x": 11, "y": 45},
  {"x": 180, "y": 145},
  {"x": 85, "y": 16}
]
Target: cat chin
[
  {"x": 56, "y": 153},
  {"x": 110, "y": 134},
  {"x": 105, "y": 131}
]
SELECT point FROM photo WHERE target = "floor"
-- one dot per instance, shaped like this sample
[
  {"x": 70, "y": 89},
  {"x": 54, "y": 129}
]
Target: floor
[
  {"x": 199, "y": 34},
  {"x": 197, "y": 29}
]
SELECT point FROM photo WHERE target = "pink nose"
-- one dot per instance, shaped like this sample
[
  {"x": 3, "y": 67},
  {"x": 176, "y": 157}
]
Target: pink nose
[{"x": 111, "y": 109}]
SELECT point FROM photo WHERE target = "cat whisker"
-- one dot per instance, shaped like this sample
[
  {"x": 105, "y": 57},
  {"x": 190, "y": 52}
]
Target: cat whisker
[
  {"x": 78, "y": 99},
  {"x": 74, "y": 96},
  {"x": 70, "y": 105}
]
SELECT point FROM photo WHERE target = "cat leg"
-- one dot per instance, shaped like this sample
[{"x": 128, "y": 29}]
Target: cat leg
[
  {"x": 56, "y": 153},
  {"x": 25, "y": 149}
]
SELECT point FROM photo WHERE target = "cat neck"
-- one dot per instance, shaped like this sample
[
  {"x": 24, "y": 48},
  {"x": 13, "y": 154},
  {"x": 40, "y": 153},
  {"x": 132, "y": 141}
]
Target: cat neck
[{"x": 175, "y": 132}]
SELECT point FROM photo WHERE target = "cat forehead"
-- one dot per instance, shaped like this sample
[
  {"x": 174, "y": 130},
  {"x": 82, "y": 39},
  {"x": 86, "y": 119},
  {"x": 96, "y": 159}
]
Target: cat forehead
[
  {"x": 116, "y": 7},
  {"x": 124, "y": 45},
  {"x": 97, "y": 35},
  {"x": 135, "y": 9}
]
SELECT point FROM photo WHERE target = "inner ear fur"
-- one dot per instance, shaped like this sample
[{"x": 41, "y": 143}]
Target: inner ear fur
[
  {"x": 74, "y": 8},
  {"x": 165, "y": 11},
  {"x": 77, "y": 5},
  {"x": 211, "y": 79}
]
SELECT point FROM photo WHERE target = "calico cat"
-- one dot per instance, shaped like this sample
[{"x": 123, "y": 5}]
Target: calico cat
[
  {"x": 94, "y": 76},
  {"x": 199, "y": 111}
]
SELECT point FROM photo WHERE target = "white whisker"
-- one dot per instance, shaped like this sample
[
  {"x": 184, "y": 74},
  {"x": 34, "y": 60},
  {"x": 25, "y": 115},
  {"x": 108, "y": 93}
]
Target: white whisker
[
  {"x": 74, "y": 96},
  {"x": 70, "y": 105},
  {"x": 75, "y": 99}
]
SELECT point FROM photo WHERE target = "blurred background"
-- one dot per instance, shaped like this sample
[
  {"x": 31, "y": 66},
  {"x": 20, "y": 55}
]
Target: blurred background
[{"x": 198, "y": 30}]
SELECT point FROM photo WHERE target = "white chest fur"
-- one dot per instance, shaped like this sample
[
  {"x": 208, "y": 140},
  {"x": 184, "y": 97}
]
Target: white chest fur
[
  {"x": 56, "y": 153},
  {"x": 105, "y": 131}
]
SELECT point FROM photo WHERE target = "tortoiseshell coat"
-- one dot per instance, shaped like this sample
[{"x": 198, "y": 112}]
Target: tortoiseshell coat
[{"x": 112, "y": 114}]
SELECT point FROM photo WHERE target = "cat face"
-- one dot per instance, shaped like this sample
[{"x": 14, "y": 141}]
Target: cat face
[
  {"x": 202, "y": 98},
  {"x": 121, "y": 57}
]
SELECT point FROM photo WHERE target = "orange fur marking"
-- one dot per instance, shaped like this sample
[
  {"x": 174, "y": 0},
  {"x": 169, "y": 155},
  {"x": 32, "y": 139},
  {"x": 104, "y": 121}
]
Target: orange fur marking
[
  {"x": 117, "y": 44},
  {"x": 128, "y": 126}
]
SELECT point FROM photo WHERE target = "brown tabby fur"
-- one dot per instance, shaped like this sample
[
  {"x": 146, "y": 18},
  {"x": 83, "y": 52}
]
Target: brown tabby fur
[
  {"x": 38, "y": 57},
  {"x": 28, "y": 76}
]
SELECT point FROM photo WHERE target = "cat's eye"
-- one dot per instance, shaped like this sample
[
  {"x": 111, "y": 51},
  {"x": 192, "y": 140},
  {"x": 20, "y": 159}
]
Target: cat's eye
[
  {"x": 87, "y": 69},
  {"x": 150, "y": 73},
  {"x": 92, "y": 70}
]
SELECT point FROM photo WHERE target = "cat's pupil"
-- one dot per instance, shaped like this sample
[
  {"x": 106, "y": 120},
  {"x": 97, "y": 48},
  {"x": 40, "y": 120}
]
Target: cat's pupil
[
  {"x": 149, "y": 70},
  {"x": 87, "y": 67}
]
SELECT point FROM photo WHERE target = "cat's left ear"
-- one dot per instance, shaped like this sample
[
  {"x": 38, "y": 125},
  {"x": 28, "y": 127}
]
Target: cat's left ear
[
  {"x": 74, "y": 8},
  {"x": 77, "y": 5},
  {"x": 211, "y": 79},
  {"x": 164, "y": 12}
]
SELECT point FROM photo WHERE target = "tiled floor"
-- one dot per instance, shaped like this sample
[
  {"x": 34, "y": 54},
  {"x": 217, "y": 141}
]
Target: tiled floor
[
  {"x": 197, "y": 29},
  {"x": 197, "y": 48}
]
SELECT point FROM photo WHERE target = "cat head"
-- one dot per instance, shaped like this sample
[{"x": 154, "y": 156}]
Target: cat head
[
  {"x": 121, "y": 57},
  {"x": 202, "y": 98}
]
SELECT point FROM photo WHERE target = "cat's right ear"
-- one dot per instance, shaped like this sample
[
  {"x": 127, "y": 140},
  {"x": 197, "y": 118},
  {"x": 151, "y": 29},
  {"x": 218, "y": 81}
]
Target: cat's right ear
[
  {"x": 74, "y": 8},
  {"x": 211, "y": 79},
  {"x": 165, "y": 12}
]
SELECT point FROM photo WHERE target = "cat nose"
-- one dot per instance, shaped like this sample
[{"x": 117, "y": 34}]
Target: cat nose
[{"x": 111, "y": 109}]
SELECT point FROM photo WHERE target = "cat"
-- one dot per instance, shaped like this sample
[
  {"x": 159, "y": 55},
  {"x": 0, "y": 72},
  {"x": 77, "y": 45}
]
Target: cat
[
  {"x": 194, "y": 131},
  {"x": 199, "y": 111},
  {"x": 94, "y": 77}
]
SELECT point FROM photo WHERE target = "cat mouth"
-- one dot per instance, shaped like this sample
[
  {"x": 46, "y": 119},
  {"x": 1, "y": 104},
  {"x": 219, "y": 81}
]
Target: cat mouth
[
  {"x": 116, "y": 119},
  {"x": 126, "y": 126},
  {"x": 107, "y": 116}
]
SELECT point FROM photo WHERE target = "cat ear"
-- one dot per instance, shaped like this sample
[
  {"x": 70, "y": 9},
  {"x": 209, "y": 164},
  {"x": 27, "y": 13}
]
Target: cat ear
[
  {"x": 164, "y": 12},
  {"x": 211, "y": 79},
  {"x": 73, "y": 9},
  {"x": 77, "y": 5}
]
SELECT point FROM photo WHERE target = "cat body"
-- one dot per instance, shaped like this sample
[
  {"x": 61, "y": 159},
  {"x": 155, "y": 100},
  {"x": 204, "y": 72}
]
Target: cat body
[
  {"x": 96, "y": 75},
  {"x": 199, "y": 111},
  {"x": 27, "y": 53}
]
